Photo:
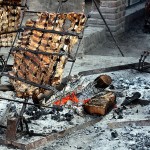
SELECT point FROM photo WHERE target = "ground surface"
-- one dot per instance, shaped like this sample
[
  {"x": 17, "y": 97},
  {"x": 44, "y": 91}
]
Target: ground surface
[
  {"x": 132, "y": 43},
  {"x": 99, "y": 136}
]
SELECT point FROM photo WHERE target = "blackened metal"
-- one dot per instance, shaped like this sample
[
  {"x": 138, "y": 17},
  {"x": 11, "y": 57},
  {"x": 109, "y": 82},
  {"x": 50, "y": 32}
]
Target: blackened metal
[
  {"x": 143, "y": 66},
  {"x": 51, "y": 31},
  {"x": 109, "y": 69},
  {"x": 20, "y": 117},
  {"x": 46, "y": 87},
  {"x": 19, "y": 30},
  {"x": 2, "y": 60},
  {"x": 30, "y": 11},
  {"x": 71, "y": 68},
  {"x": 62, "y": 1},
  {"x": 21, "y": 102},
  {"x": 97, "y": 7},
  {"x": 129, "y": 100},
  {"x": 38, "y": 52},
  {"x": 141, "y": 102},
  {"x": 1, "y": 126}
]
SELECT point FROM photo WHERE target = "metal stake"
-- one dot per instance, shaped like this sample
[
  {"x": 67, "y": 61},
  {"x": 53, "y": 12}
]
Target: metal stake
[{"x": 108, "y": 28}]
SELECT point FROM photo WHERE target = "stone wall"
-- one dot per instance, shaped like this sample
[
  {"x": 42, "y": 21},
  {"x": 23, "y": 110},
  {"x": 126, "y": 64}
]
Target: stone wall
[{"x": 114, "y": 13}]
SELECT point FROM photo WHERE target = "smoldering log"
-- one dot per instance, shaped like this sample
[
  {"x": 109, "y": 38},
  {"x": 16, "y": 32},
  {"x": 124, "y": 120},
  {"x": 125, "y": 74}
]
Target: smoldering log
[{"x": 102, "y": 81}]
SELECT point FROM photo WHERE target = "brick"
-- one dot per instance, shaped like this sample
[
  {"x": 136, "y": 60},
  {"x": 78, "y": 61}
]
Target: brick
[
  {"x": 114, "y": 13},
  {"x": 112, "y": 10},
  {"x": 109, "y": 21},
  {"x": 111, "y": 3},
  {"x": 113, "y": 16}
]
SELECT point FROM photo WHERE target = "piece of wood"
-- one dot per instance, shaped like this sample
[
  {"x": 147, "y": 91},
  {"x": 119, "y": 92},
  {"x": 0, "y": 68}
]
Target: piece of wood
[
  {"x": 100, "y": 104},
  {"x": 114, "y": 125},
  {"x": 11, "y": 129}
]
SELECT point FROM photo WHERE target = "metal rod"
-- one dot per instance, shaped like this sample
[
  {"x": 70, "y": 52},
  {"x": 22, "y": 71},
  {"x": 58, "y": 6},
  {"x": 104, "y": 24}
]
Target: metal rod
[
  {"x": 21, "y": 29},
  {"x": 108, "y": 28},
  {"x": 50, "y": 31},
  {"x": 20, "y": 117},
  {"x": 30, "y": 11},
  {"x": 48, "y": 87},
  {"x": 21, "y": 102},
  {"x": 38, "y": 52}
]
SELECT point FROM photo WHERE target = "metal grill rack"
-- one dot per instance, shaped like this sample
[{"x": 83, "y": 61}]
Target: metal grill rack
[
  {"x": 21, "y": 29},
  {"x": 18, "y": 122}
]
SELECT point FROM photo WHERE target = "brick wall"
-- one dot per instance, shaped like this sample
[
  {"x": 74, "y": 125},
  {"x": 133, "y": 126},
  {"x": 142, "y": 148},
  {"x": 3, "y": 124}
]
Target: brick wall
[{"x": 114, "y": 13}]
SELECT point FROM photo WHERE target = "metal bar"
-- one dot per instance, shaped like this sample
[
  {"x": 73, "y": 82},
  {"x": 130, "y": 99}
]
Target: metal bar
[
  {"x": 109, "y": 69},
  {"x": 9, "y": 32},
  {"x": 62, "y": 33},
  {"x": 20, "y": 117},
  {"x": 38, "y": 52},
  {"x": 50, "y": 31},
  {"x": 21, "y": 102},
  {"x": 47, "y": 87},
  {"x": 72, "y": 64},
  {"x": 108, "y": 28},
  {"x": 8, "y": 68},
  {"x": 30, "y": 11}
]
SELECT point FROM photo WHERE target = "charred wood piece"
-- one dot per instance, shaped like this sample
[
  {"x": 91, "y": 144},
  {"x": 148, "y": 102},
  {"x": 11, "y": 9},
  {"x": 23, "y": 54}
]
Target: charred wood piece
[
  {"x": 129, "y": 100},
  {"x": 103, "y": 81},
  {"x": 100, "y": 104}
]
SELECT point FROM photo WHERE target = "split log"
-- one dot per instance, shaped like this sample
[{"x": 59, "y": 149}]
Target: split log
[{"x": 100, "y": 104}]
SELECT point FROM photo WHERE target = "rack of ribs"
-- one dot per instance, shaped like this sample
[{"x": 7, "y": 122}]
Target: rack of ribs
[{"x": 44, "y": 69}]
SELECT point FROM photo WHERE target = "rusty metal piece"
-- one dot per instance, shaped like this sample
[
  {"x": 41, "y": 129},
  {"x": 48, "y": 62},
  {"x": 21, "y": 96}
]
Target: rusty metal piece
[{"x": 11, "y": 129}]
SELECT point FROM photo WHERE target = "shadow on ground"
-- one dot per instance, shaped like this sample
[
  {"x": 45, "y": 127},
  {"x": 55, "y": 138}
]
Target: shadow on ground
[{"x": 132, "y": 43}]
